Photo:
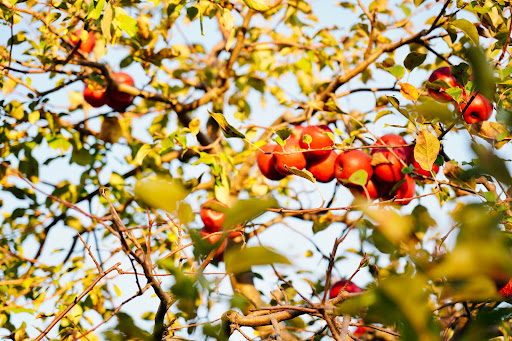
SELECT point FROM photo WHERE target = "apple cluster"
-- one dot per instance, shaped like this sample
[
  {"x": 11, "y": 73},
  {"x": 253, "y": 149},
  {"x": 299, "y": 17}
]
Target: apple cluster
[
  {"x": 480, "y": 108},
  {"x": 98, "y": 97},
  {"x": 115, "y": 99},
  {"x": 213, "y": 220},
  {"x": 375, "y": 175}
]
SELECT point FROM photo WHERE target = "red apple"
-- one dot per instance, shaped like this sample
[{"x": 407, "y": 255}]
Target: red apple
[
  {"x": 120, "y": 100},
  {"x": 336, "y": 288},
  {"x": 479, "y": 110},
  {"x": 323, "y": 169},
  {"x": 391, "y": 171},
  {"x": 347, "y": 163},
  {"x": 505, "y": 290},
  {"x": 443, "y": 73},
  {"x": 421, "y": 171},
  {"x": 212, "y": 239},
  {"x": 292, "y": 156},
  {"x": 267, "y": 162},
  {"x": 86, "y": 46},
  {"x": 372, "y": 188},
  {"x": 95, "y": 97},
  {"x": 406, "y": 190},
  {"x": 321, "y": 137},
  {"x": 212, "y": 217}
]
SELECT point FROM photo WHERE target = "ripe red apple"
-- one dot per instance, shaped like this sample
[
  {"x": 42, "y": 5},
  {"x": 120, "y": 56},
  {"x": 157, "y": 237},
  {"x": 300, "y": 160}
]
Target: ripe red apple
[
  {"x": 267, "y": 162},
  {"x": 86, "y": 46},
  {"x": 212, "y": 239},
  {"x": 292, "y": 156},
  {"x": 321, "y": 137},
  {"x": 336, "y": 288},
  {"x": 443, "y": 73},
  {"x": 323, "y": 169},
  {"x": 372, "y": 188},
  {"x": 421, "y": 171},
  {"x": 347, "y": 163},
  {"x": 212, "y": 218},
  {"x": 505, "y": 290},
  {"x": 406, "y": 190},
  {"x": 120, "y": 100},
  {"x": 95, "y": 97},
  {"x": 391, "y": 171},
  {"x": 479, "y": 110}
]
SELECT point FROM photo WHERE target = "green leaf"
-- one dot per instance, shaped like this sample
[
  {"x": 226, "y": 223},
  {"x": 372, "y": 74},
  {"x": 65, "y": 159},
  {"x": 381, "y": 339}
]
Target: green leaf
[
  {"x": 426, "y": 149},
  {"x": 359, "y": 177},
  {"x": 284, "y": 133},
  {"x": 227, "y": 129},
  {"x": 398, "y": 71},
  {"x": 127, "y": 23},
  {"x": 468, "y": 28},
  {"x": 246, "y": 210},
  {"x": 192, "y": 12},
  {"x": 238, "y": 261},
  {"x": 414, "y": 59},
  {"x": 482, "y": 72},
  {"x": 159, "y": 192},
  {"x": 95, "y": 15}
]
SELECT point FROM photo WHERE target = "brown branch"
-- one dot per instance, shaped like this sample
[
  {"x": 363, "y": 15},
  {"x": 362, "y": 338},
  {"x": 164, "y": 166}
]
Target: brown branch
[{"x": 75, "y": 301}]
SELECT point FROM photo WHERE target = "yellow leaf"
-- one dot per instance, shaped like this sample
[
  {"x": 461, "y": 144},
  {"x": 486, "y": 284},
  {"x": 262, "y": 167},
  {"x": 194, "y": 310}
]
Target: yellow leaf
[
  {"x": 426, "y": 149},
  {"x": 194, "y": 126},
  {"x": 118, "y": 292},
  {"x": 409, "y": 91},
  {"x": 259, "y": 5}
]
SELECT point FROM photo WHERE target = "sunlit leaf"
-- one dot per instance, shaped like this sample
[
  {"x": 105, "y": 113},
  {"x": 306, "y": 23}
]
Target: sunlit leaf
[
  {"x": 259, "y": 5},
  {"x": 247, "y": 210},
  {"x": 227, "y": 129},
  {"x": 426, "y": 149},
  {"x": 468, "y": 28},
  {"x": 160, "y": 192},
  {"x": 238, "y": 261}
]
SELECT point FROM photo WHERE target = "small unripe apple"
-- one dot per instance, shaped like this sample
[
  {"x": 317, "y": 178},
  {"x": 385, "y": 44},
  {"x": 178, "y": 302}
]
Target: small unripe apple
[
  {"x": 95, "y": 97},
  {"x": 267, "y": 162},
  {"x": 406, "y": 190},
  {"x": 443, "y": 73},
  {"x": 290, "y": 155},
  {"x": 479, "y": 110},
  {"x": 323, "y": 169},
  {"x": 321, "y": 137},
  {"x": 86, "y": 46},
  {"x": 120, "y": 100},
  {"x": 347, "y": 163},
  {"x": 336, "y": 288}
]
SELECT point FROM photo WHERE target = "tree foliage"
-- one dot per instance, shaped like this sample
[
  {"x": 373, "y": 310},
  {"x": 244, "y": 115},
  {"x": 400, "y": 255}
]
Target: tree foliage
[{"x": 101, "y": 206}]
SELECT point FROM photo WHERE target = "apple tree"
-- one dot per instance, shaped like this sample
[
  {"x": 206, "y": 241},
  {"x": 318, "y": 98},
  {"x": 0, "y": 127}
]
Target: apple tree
[{"x": 210, "y": 169}]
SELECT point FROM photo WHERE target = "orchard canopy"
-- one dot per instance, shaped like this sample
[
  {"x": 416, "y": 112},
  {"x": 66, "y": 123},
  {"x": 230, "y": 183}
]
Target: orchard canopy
[{"x": 210, "y": 169}]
